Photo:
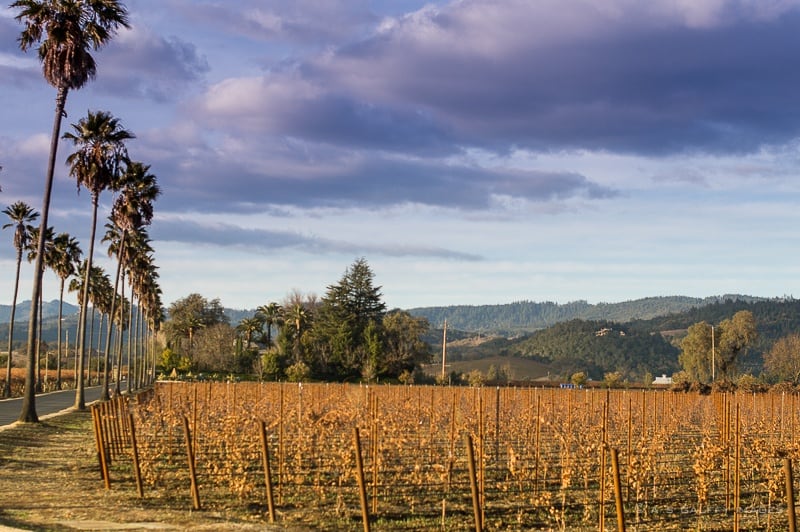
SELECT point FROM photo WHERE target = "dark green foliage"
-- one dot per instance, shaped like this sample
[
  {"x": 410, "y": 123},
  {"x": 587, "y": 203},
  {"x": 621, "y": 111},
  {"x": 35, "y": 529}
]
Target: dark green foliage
[
  {"x": 404, "y": 349},
  {"x": 346, "y": 327},
  {"x": 598, "y": 347}
]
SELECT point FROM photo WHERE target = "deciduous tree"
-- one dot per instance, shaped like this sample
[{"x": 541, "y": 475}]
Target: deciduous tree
[
  {"x": 696, "y": 352},
  {"x": 782, "y": 362},
  {"x": 189, "y": 315},
  {"x": 737, "y": 335}
]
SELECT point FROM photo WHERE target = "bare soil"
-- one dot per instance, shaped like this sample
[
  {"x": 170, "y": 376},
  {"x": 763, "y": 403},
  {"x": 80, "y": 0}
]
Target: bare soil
[{"x": 50, "y": 480}]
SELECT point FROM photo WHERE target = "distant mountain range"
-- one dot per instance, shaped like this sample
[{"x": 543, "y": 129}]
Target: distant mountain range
[
  {"x": 528, "y": 316},
  {"x": 49, "y": 310},
  {"x": 502, "y": 319}
]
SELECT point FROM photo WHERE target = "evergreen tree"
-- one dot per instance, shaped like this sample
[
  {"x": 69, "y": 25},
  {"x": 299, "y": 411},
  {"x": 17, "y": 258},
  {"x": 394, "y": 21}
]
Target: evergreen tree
[{"x": 349, "y": 319}]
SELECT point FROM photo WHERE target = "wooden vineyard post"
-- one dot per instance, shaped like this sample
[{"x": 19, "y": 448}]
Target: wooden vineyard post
[
  {"x": 101, "y": 446},
  {"x": 618, "y": 491},
  {"x": 726, "y": 443},
  {"x": 362, "y": 488},
  {"x": 497, "y": 424},
  {"x": 451, "y": 457},
  {"x": 280, "y": 447},
  {"x": 473, "y": 482},
  {"x": 192, "y": 472},
  {"x": 481, "y": 443},
  {"x": 790, "y": 502},
  {"x": 736, "y": 480},
  {"x": 137, "y": 470},
  {"x": 194, "y": 415},
  {"x": 602, "y": 516},
  {"x": 537, "y": 455},
  {"x": 267, "y": 472},
  {"x": 628, "y": 456},
  {"x": 374, "y": 440},
  {"x": 97, "y": 444}
]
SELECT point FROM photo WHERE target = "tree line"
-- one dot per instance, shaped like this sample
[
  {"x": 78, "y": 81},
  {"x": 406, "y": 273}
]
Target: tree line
[
  {"x": 348, "y": 334},
  {"x": 64, "y": 33},
  {"x": 712, "y": 354}
]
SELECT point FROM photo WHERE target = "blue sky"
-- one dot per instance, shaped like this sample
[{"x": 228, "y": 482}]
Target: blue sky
[{"x": 474, "y": 152}]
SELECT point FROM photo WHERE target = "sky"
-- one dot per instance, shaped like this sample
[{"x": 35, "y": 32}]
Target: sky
[{"x": 472, "y": 151}]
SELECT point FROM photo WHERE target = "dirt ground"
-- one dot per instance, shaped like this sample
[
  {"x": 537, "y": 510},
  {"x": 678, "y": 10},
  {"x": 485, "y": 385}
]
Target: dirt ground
[{"x": 50, "y": 480}]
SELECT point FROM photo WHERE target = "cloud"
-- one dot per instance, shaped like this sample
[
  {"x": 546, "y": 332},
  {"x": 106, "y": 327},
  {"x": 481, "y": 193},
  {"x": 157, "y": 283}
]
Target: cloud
[
  {"x": 621, "y": 76},
  {"x": 258, "y": 173},
  {"x": 140, "y": 64},
  {"x": 285, "y": 104},
  {"x": 185, "y": 230},
  {"x": 300, "y": 21}
]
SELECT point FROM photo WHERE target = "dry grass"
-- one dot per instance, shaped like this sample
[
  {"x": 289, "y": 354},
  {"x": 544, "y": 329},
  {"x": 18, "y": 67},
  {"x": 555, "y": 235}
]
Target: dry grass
[{"x": 50, "y": 480}]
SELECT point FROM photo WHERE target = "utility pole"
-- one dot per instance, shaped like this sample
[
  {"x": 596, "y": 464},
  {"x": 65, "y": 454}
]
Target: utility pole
[
  {"x": 713, "y": 355},
  {"x": 444, "y": 349}
]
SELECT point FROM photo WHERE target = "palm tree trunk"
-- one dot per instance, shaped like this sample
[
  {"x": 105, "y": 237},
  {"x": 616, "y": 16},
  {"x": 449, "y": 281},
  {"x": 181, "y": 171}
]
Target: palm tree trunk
[
  {"x": 60, "y": 317},
  {"x": 107, "y": 354},
  {"x": 137, "y": 361},
  {"x": 7, "y": 387},
  {"x": 120, "y": 344},
  {"x": 80, "y": 395},
  {"x": 87, "y": 378},
  {"x": 28, "y": 413},
  {"x": 39, "y": 386},
  {"x": 97, "y": 349},
  {"x": 130, "y": 344},
  {"x": 120, "y": 330}
]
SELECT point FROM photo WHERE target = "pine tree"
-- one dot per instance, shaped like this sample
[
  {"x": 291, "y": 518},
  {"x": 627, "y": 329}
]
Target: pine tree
[{"x": 351, "y": 312}]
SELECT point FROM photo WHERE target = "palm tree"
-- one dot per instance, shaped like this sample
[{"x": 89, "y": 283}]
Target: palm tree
[
  {"x": 21, "y": 216},
  {"x": 249, "y": 326},
  {"x": 299, "y": 316},
  {"x": 271, "y": 314},
  {"x": 141, "y": 272},
  {"x": 96, "y": 164},
  {"x": 100, "y": 293},
  {"x": 33, "y": 250},
  {"x": 132, "y": 210},
  {"x": 136, "y": 255},
  {"x": 66, "y": 31},
  {"x": 67, "y": 256},
  {"x": 153, "y": 313}
]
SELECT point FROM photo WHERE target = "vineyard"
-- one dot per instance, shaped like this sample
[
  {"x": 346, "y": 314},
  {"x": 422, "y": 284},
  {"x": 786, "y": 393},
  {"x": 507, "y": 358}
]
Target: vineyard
[{"x": 337, "y": 456}]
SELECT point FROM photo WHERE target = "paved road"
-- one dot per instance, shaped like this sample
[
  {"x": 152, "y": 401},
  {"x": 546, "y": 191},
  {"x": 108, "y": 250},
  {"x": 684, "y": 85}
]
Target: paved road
[{"x": 46, "y": 403}]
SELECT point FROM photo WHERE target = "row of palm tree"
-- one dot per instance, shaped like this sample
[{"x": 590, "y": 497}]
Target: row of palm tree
[
  {"x": 66, "y": 32},
  {"x": 22, "y": 216},
  {"x": 133, "y": 209}
]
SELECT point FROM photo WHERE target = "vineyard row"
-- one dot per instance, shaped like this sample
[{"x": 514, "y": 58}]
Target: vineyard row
[{"x": 542, "y": 457}]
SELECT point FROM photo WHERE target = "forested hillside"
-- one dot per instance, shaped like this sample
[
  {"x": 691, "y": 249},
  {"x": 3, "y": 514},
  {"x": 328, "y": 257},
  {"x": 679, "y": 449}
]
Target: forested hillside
[
  {"x": 529, "y": 316},
  {"x": 597, "y": 347},
  {"x": 636, "y": 347}
]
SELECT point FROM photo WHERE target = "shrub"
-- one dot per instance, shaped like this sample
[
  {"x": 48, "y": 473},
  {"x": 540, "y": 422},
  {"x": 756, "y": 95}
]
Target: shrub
[
  {"x": 750, "y": 384},
  {"x": 298, "y": 372}
]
